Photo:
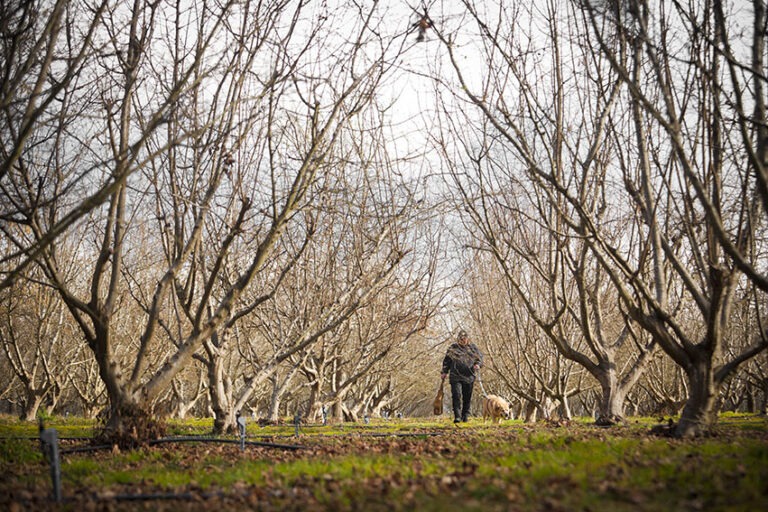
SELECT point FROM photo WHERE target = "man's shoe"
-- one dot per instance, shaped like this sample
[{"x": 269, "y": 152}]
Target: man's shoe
[
  {"x": 463, "y": 419},
  {"x": 456, "y": 420}
]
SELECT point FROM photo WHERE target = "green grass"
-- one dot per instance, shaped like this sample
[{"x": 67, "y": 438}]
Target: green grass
[
  {"x": 16, "y": 452},
  {"x": 11, "y": 426}
]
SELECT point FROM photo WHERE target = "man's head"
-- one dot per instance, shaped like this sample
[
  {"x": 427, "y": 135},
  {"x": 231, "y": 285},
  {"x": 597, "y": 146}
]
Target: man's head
[{"x": 463, "y": 337}]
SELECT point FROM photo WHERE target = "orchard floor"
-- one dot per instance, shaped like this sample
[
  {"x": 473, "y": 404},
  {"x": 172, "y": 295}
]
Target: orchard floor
[{"x": 392, "y": 465}]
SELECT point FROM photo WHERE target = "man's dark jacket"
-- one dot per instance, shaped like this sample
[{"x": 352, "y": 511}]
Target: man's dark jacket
[{"x": 459, "y": 360}]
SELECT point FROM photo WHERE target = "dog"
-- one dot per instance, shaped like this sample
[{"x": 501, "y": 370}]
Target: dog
[{"x": 495, "y": 408}]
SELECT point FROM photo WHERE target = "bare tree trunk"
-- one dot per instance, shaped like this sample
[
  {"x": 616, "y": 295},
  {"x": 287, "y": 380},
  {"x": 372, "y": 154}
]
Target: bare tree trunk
[
  {"x": 314, "y": 404},
  {"x": 349, "y": 414},
  {"x": 279, "y": 387},
  {"x": 32, "y": 401},
  {"x": 183, "y": 403},
  {"x": 764, "y": 399},
  {"x": 53, "y": 398},
  {"x": 378, "y": 406},
  {"x": 530, "y": 411},
  {"x": 546, "y": 406},
  {"x": 220, "y": 394},
  {"x": 611, "y": 404},
  {"x": 381, "y": 398},
  {"x": 700, "y": 411},
  {"x": 273, "y": 414}
]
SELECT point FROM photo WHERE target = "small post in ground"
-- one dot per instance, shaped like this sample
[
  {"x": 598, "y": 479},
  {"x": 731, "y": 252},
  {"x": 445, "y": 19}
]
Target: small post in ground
[
  {"x": 49, "y": 439},
  {"x": 241, "y": 429},
  {"x": 297, "y": 421}
]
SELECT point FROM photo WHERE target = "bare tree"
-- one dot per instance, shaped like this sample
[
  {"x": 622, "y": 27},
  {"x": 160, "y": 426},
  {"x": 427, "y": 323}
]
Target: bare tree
[
  {"x": 592, "y": 114},
  {"x": 281, "y": 385},
  {"x": 38, "y": 343},
  {"x": 697, "y": 176},
  {"x": 501, "y": 167},
  {"x": 208, "y": 132}
]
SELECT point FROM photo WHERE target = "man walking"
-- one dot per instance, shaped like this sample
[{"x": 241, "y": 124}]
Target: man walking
[{"x": 462, "y": 360}]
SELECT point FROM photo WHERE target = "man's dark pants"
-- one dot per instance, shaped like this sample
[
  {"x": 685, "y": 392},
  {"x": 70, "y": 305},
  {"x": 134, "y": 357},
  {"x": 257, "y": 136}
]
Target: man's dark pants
[{"x": 461, "y": 390}]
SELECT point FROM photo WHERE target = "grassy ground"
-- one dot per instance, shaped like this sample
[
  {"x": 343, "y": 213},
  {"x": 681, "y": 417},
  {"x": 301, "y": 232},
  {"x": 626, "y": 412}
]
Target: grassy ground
[{"x": 399, "y": 465}]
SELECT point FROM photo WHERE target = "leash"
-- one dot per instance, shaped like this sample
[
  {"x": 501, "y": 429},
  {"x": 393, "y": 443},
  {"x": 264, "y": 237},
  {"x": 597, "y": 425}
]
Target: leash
[{"x": 480, "y": 381}]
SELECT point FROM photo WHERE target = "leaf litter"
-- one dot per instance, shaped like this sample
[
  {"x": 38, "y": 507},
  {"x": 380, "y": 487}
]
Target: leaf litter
[{"x": 518, "y": 467}]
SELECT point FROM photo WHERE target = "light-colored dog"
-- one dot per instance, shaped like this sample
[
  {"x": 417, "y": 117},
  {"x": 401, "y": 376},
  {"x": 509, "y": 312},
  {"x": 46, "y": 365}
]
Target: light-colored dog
[{"x": 496, "y": 408}]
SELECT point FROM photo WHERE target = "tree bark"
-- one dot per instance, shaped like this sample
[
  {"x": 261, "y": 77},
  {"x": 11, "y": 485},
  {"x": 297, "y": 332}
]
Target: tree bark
[
  {"x": 700, "y": 411},
  {"x": 611, "y": 405},
  {"x": 32, "y": 402},
  {"x": 220, "y": 393}
]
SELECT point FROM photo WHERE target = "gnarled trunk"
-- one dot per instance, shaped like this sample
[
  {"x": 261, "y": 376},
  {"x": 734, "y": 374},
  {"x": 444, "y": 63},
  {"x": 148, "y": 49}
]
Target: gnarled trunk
[
  {"x": 700, "y": 411},
  {"x": 279, "y": 388},
  {"x": 31, "y": 405},
  {"x": 220, "y": 390},
  {"x": 315, "y": 405},
  {"x": 611, "y": 404},
  {"x": 764, "y": 405}
]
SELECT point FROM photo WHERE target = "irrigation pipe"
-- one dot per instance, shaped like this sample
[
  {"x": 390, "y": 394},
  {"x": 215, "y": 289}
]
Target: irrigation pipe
[{"x": 191, "y": 439}]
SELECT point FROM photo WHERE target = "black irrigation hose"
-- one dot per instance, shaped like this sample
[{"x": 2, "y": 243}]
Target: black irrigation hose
[
  {"x": 403, "y": 434},
  {"x": 37, "y": 438},
  {"x": 193, "y": 439},
  {"x": 186, "y": 439}
]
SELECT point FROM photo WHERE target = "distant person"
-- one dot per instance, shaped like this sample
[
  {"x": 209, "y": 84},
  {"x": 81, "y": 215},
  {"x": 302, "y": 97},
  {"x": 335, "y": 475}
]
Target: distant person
[{"x": 462, "y": 360}]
